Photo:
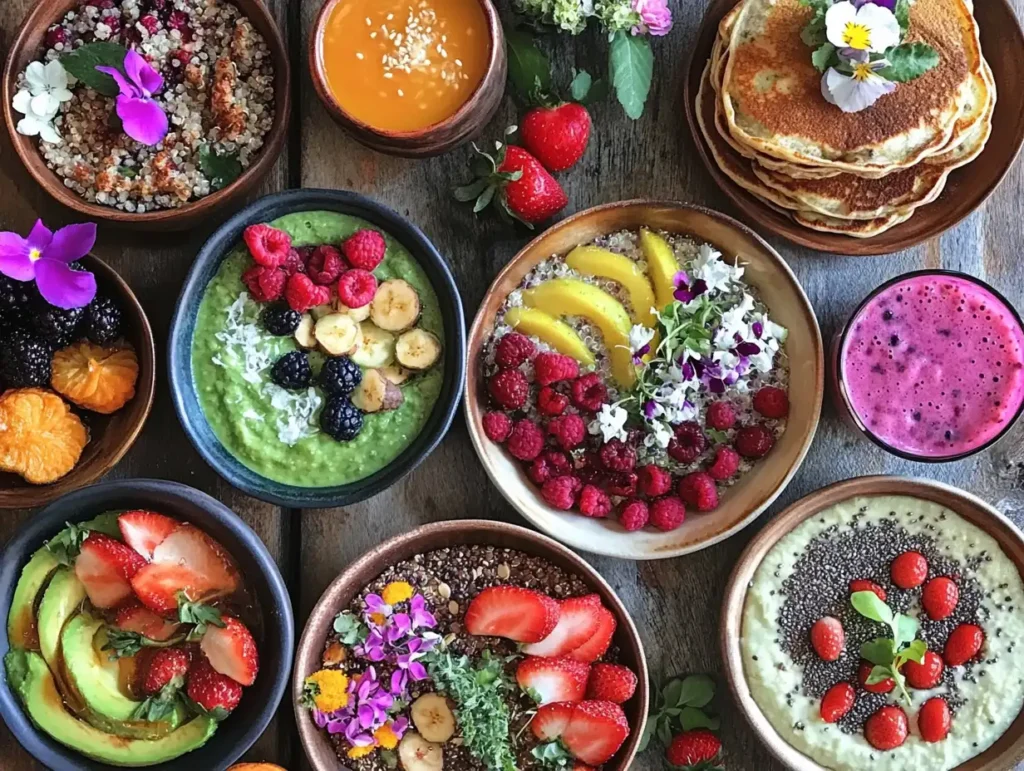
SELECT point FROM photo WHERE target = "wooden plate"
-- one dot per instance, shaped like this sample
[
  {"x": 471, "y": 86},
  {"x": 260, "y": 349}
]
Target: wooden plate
[
  {"x": 742, "y": 502},
  {"x": 968, "y": 188},
  {"x": 1008, "y": 750}
]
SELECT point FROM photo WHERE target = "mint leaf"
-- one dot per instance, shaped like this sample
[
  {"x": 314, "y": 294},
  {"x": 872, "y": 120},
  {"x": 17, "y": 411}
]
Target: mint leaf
[
  {"x": 631, "y": 69},
  {"x": 580, "y": 86},
  {"x": 67, "y": 543},
  {"x": 82, "y": 63},
  {"x": 717, "y": 435},
  {"x": 905, "y": 629},
  {"x": 878, "y": 674},
  {"x": 696, "y": 691},
  {"x": 915, "y": 652},
  {"x": 692, "y": 718},
  {"x": 824, "y": 57},
  {"x": 902, "y": 14},
  {"x": 869, "y": 606},
  {"x": 672, "y": 693},
  {"x": 221, "y": 170},
  {"x": 528, "y": 68},
  {"x": 648, "y": 734},
  {"x": 878, "y": 651},
  {"x": 552, "y": 754},
  {"x": 909, "y": 61}
]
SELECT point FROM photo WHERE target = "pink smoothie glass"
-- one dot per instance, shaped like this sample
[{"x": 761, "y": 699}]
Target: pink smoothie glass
[{"x": 931, "y": 366}]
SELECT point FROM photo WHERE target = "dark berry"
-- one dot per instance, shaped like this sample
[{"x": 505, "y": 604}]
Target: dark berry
[
  {"x": 340, "y": 376},
  {"x": 17, "y": 299},
  {"x": 101, "y": 321},
  {"x": 292, "y": 370},
  {"x": 56, "y": 36},
  {"x": 56, "y": 326},
  {"x": 688, "y": 443},
  {"x": 280, "y": 320},
  {"x": 341, "y": 420},
  {"x": 25, "y": 361}
]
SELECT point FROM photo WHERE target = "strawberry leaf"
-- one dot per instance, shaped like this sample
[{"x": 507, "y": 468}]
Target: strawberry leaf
[
  {"x": 693, "y": 718},
  {"x": 471, "y": 191},
  {"x": 696, "y": 691},
  {"x": 198, "y": 614},
  {"x": 631, "y": 71}
]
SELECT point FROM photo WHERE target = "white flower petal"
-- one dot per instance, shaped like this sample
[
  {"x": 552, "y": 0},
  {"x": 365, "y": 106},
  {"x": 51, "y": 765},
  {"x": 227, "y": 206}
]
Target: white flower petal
[
  {"x": 836, "y": 19},
  {"x": 44, "y": 105},
  {"x": 35, "y": 77},
  {"x": 61, "y": 94},
  {"x": 48, "y": 133},
  {"x": 29, "y": 127},
  {"x": 885, "y": 29},
  {"x": 56, "y": 75},
  {"x": 852, "y": 95},
  {"x": 22, "y": 102}
]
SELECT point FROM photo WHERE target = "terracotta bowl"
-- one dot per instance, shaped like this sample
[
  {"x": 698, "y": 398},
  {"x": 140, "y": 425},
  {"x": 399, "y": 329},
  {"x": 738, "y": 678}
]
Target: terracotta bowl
[
  {"x": 110, "y": 436},
  {"x": 1008, "y": 750},
  {"x": 741, "y": 503},
  {"x": 440, "y": 535},
  {"x": 24, "y": 48},
  {"x": 967, "y": 188},
  {"x": 468, "y": 121}
]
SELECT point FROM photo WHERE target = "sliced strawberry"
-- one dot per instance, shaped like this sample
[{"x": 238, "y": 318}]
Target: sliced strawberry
[
  {"x": 518, "y": 614},
  {"x": 595, "y": 732},
  {"x": 577, "y": 622},
  {"x": 134, "y": 617},
  {"x": 551, "y": 721},
  {"x": 191, "y": 548},
  {"x": 144, "y": 530},
  {"x": 159, "y": 585},
  {"x": 611, "y": 682},
  {"x": 105, "y": 567},
  {"x": 217, "y": 694},
  {"x": 598, "y": 644},
  {"x": 551, "y": 680},
  {"x": 231, "y": 650}
]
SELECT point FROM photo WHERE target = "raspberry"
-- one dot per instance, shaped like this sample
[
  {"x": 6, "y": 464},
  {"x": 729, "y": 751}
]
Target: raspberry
[
  {"x": 264, "y": 284},
  {"x": 268, "y": 246},
  {"x": 688, "y": 443},
  {"x": 302, "y": 294},
  {"x": 560, "y": 492},
  {"x": 698, "y": 490},
  {"x": 617, "y": 456},
  {"x": 149, "y": 23},
  {"x": 554, "y": 367},
  {"x": 526, "y": 440},
  {"x": 667, "y": 513},
  {"x": 364, "y": 249},
  {"x": 589, "y": 392},
  {"x": 497, "y": 426},
  {"x": 754, "y": 441},
  {"x": 179, "y": 20},
  {"x": 325, "y": 265},
  {"x": 295, "y": 262},
  {"x": 57, "y": 36},
  {"x": 594, "y": 502},
  {"x": 568, "y": 430},
  {"x": 559, "y": 461},
  {"x": 114, "y": 23},
  {"x": 622, "y": 483},
  {"x": 727, "y": 463},
  {"x": 721, "y": 416},
  {"x": 509, "y": 388},
  {"x": 513, "y": 349},
  {"x": 541, "y": 470},
  {"x": 634, "y": 515},
  {"x": 654, "y": 481},
  {"x": 550, "y": 402},
  {"x": 357, "y": 287},
  {"x": 771, "y": 402}
]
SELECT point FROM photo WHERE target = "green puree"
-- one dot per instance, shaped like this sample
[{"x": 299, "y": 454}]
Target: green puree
[{"x": 275, "y": 432}]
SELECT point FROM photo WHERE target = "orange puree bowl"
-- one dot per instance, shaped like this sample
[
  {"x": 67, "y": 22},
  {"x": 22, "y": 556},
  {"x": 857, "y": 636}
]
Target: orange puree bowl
[{"x": 412, "y": 78}]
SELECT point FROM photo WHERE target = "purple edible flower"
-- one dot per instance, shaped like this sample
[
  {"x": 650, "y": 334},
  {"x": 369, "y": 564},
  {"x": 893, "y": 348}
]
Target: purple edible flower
[
  {"x": 142, "y": 118},
  {"x": 758, "y": 329},
  {"x": 655, "y": 17},
  {"x": 421, "y": 616},
  {"x": 44, "y": 256},
  {"x": 748, "y": 349},
  {"x": 890, "y": 4},
  {"x": 686, "y": 291}
]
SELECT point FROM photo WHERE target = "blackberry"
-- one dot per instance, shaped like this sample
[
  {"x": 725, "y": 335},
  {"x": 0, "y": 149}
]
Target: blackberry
[
  {"x": 102, "y": 321},
  {"x": 25, "y": 361},
  {"x": 341, "y": 420},
  {"x": 280, "y": 320},
  {"x": 56, "y": 326},
  {"x": 17, "y": 299},
  {"x": 340, "y": 376},
  {"x": 292, "y": 371}
]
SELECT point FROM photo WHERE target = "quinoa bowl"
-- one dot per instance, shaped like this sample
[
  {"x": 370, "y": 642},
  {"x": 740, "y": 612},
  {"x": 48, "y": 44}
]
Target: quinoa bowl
[
  {"x": 224, "y": 87},
  {"x": 630, "y": 403}
]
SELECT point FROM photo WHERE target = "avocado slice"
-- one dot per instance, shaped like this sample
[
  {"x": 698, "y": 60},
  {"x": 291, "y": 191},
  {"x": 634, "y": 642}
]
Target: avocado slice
[
  {"x": 61, "y": 599},
  {"x": 21, "y": 620},
  {"x": 29, "y": 676}
]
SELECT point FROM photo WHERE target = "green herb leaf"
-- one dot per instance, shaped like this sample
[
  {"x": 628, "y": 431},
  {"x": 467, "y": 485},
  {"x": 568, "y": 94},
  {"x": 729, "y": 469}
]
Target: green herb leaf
[
  {"x": 878, "y": 674},
  {"x": 580, "y": 86},
  {"x": 528, "y": 68},
  {"x": 67, "y": 543},
  {"x": 82, "y": 63},
  {"x": 350, "y": 629},
  {"x": 902, "y": 14},
  {"x": 878, "y": 651},
  {"x": 869, "y": 606},
  {"x": 552, "y": 754},
  {"x": 914, "y": 652},
  {"x": 672, "y": 693},
  {"x": 696, "y": 691},
  {"x": 909, "y": 61},
  {"x": 631, "y": 70},
  {"x": 161, "y": 705},
  {"x": 824, "y": 57},
  {"x": 904, "y": 629},
  {"x": 122, "y": 643},
  {"x": 390, "y": 758},
  {"x": 128, "y": 172},
  {"x": 221, "y": 170},
  {"x": 716, "y": 435},
  {"x": 198, "y": 614},
  {"x": 665, "y": 733},
  {"x": 692, "y": 718},
  {"x": 648, "y": 734},
  {"x": 814, "y": 34}
]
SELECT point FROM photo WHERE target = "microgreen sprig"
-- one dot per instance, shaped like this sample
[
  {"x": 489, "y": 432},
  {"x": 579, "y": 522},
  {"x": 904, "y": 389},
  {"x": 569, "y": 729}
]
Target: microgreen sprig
[{"x": 889, "y": 654}]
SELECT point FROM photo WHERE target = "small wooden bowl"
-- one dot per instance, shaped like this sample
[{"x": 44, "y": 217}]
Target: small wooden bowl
[
  {"x": 440, "y": 535},
  {"x": 468, "y": 121},
  {"x": 1008, "y": 750},
  {"x": 741, "y": 503},
  {"x": 27, "y": 43},
  {"x": 968, "y": 187},
  {"x": 110, "y": 436}
]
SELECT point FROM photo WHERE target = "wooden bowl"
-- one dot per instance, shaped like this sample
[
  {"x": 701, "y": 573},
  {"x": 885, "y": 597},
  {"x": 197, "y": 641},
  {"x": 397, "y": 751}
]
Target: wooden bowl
[
  {"x": 437, "y": 536},
  {"x": 29, "y": 40},
  {"x": 468, "y": 121},
  {"x": 1008, "y": 750},
  {"x": 968, "y": 187},
  {"x": 110, "y": 436},
  {"x": 741, "y": 503}
]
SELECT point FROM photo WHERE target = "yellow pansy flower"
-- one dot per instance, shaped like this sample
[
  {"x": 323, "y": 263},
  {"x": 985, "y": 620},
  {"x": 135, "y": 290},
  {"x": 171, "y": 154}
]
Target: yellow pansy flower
[
  {"x": 329, "y": 689},
  {"x": 386, "y": 737},
  {"x": 397, "y": 591}
]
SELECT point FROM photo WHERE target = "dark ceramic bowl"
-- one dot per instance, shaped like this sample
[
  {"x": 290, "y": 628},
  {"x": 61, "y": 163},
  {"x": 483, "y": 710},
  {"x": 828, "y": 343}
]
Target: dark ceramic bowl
[
  {"x": 259, "y": 702},
  {"x": 183, "y": 390}
]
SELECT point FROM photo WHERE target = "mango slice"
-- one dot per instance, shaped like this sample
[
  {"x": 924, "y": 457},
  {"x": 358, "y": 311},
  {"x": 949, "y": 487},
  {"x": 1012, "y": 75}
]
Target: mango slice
[
  {"x": 594, "y": 261},
  {"x": 550, "y": 330},
  {"x": 662, "y": 266}
]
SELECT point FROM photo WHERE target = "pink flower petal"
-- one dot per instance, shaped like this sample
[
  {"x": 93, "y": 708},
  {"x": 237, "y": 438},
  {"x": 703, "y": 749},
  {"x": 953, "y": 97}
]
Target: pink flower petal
[
  {"x": 72, "y": 242},
  {"x": 141, "y": 73},
  {"x": 143, "y": 120},
  {"x": 14, "y": 260},
  {"x": 123, "y": 85},
  {"x": 40, "y": 236},
  {"x": 61, "y": 286}
]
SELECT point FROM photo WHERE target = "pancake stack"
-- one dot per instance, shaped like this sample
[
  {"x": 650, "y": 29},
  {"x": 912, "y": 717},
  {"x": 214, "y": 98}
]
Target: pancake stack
[{"x": 771, "y": 131}]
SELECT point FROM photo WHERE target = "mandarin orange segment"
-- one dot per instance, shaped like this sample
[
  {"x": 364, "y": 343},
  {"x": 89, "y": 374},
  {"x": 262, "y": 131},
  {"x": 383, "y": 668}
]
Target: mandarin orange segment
[
  {"x": 95, "y": 377},
  {"x": 41, "y": 439}
]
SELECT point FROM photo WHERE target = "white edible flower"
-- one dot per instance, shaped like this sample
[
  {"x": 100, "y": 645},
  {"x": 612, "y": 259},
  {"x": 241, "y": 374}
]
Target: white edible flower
[
  {"x": 660, "y": 434},
  {"x": 732, "y": 323},
  {"x": 639, "y": 336},
  {"x": 727, "y": 359},
  {"x": 610, "y": 423},
  {"x": 48, "y": 84},
  {"x": 714, "y": 271},
  {"x": 763, "y": 361},
  {"x": 872, "y": 28},
  {"x": 34, "y": 123}
]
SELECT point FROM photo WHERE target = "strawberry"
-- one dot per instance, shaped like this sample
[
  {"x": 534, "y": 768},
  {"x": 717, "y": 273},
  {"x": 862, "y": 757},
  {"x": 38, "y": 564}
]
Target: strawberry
[
  {"x": 693, "y": 749},
  {"x": 167, "y": 667},
  {"x": 925, "y": 675},
  {"x": 887, "y": 728},
  {"x": 190, "y": 547},
  {"x": 828, "y": 638},
  {"x": 143, "y": 530},
  {"x": 963, "y": 644},
  {"x": 939, "y": 598},
  {"x": 518, "y": 614},
  {"x": 231, "y": 650},
  {"x": 522, "y": 186},
  {"x": 557, "y": 136},
  {"x": 837, "y": 701},
  {"x": 863, "y": 585},
  {"x": 595, "y": 732},
  {"x": 105, "y": 567},
  {"x": 611, "y": 682},
  {"x": 553, "y": 680},
  {"x": 933, "y": 720},
  {"x": 551, "y": 720},
  {"x": 864, "y": 670},
  {"x": 577, "y": 623},
  {"x": 217, "y": 694},
  {"x": 159, "y": 586},
  {"x": 909, "y": 570},
  {"x": 134, "y": 617},
  {"x": 596, "y": 646}
]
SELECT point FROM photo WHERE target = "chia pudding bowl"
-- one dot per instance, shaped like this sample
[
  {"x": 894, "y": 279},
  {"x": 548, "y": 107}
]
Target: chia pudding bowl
[
  {"x": 878, "y": 623},
  {"x": 472, "y": 646}
]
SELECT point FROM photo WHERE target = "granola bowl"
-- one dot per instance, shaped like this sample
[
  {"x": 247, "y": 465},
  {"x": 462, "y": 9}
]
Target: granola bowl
[
  {"x": 653, "y": 367},
  {"x": 225, "y": 89},
  {"x": 437, "y": 569}
]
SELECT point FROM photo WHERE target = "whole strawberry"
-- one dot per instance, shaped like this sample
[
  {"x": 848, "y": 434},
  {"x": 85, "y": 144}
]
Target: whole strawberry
[
  {"x": 694, "y": 749},
  {"x": 557, "y": 136},
  {"x": 519, "y": 183}
]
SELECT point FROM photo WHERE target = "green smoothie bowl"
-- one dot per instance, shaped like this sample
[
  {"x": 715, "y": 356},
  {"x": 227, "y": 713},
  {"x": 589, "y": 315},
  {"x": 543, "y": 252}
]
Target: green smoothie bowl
[{"x": 317, "y": 354}]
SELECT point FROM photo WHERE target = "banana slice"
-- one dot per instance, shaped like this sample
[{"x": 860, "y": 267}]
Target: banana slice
[
  {"x": 375, "y": 393},
  {"x": 417, "y": 349},
  {"x": 357, "y": 314},
  {"x": 304, "y": 332},
  {"x": 396, "y": 306},
  {"x": 433, "y": 717},
  {"x": 338, "y": 335},
  {"x": 376, "y": 347},
  {"x": 395, "y": 374},
  {"x": 417, "y": 754},
  {"x": 322, "y": 310}
]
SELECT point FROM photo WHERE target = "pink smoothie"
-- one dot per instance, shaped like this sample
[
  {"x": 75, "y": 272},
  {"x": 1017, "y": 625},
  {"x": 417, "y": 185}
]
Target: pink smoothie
[{"x": 934, "y": 365}]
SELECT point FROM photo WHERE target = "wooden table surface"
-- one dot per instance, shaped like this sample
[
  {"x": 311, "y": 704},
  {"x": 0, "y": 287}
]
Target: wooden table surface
[{"x": 675, "y": 602}]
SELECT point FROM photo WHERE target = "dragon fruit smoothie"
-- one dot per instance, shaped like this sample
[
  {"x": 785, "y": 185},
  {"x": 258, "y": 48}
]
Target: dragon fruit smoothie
[{"x": 933, "y": 365}]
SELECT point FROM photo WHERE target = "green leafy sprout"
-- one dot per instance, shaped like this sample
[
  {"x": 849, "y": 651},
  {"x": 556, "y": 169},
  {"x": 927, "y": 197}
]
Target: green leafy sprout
[
  {"x": 889, "y": 654},
  {"x": 680, "y": 706}
]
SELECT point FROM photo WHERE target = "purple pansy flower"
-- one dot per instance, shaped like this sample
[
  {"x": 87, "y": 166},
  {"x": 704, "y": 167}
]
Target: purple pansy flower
[
  {"x": 890, "y": 4},
  {"x": 44, "y": 256},
  {"x": 687, "y": 291},
  {"x": 142, "y": 118},
  {"x": 748, "y": 349}
]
